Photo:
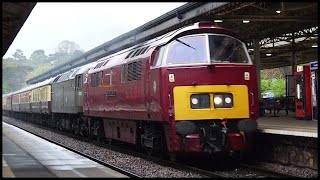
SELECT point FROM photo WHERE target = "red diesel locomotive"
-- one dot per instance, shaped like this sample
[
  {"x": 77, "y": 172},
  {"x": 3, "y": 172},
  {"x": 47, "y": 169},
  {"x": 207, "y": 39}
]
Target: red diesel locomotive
[{"x": 192, "y": 90}]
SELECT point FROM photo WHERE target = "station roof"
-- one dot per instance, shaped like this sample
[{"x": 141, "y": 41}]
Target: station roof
[
  {"x": 274, "y": 29},
  {"x": 14, "y": 14}
]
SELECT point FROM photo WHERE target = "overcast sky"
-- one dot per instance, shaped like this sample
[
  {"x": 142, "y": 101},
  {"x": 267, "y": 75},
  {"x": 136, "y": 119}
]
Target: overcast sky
[{"x": 87, "y": 24}]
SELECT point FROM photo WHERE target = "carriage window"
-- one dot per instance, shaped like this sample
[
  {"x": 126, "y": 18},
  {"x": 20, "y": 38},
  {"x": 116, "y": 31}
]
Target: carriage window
[
  {"x": 227, "y": 50},
  {"x": 187, "y": 50}
]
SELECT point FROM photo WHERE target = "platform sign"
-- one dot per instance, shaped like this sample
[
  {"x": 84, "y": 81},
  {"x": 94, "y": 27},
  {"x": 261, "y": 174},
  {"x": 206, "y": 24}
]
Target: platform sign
[
  {"x": 314, "y": 65},
  {"x": 299, "y": 68}
]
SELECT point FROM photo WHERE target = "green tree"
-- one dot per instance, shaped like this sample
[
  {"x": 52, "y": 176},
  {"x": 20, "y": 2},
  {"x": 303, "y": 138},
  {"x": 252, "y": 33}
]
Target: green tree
[
  {"x": 278, "y": 87},
  {"x": 67, "y": 47},
  {"x": 265, "y": 85},
  {"x": 18, "y": 55},
  {"x": 39, "y": 56},
  {"x": 65, "y": 51},
  {"x": 15, "y": 73},
  {"x": 39, "y": 70},
  {"x": 5, "y": 87}
]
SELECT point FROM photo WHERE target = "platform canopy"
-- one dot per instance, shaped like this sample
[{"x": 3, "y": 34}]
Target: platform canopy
[{"x": 14, "y": 14}]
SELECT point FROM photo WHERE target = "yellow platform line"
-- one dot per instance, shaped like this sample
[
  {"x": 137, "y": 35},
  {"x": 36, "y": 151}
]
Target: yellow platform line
[{"x": 6, "y": 170}]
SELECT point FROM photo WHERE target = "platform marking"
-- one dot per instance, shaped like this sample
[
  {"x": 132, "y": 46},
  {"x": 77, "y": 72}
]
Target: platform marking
[
  {"x": 293, "y": 133},
  {"x": 6, "y": 170}
]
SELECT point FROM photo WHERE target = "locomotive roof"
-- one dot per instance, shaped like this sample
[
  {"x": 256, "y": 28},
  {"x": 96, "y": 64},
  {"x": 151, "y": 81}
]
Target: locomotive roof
[
  {"x": 71, "y": 74},
  {"x": 78, "y": 70},
  {"x": 120, "y": 57},
  {"x": 8, "y": 94},
  {"x": 28, "y": 88}
]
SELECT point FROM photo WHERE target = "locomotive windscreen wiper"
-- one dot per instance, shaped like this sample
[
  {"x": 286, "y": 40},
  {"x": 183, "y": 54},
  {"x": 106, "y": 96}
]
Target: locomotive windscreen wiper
[{"x": 185, "y": 44}]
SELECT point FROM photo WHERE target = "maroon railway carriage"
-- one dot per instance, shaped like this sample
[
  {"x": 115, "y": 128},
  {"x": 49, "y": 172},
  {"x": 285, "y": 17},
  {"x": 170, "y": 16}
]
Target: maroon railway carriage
[{"x": 191, "y": 90}]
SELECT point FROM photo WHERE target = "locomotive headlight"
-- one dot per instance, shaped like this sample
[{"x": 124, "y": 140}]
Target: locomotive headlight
[
  {"x": 217, "y": 100},
  {"x": 194, "y": 101},
  {"x": 200, "y": 101},
  {"x": 223, "y": 100},
  {"x": 227, "y": 100}
]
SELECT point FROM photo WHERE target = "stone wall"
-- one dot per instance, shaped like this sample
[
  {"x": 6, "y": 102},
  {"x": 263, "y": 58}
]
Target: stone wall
[{"x": 293, "y": 150}]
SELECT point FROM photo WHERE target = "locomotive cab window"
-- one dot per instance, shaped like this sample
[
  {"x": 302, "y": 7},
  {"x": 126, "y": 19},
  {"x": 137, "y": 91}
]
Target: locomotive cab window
[
  {"x": 227, "y": 50},
  {"x": 188, "y": 50}
]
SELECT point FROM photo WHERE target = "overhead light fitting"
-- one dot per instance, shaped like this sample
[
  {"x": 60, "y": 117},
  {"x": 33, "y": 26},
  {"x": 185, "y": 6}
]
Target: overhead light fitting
[
  {"x": 278, "y": 11},
  {"x": 268, "y": 54},
  {"x": 218, "y": 21},
  {"x": 245, "y": 21},
  {"x": 315, "y": 46}
]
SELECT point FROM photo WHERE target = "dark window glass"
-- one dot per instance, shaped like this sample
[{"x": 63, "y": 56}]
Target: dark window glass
[{"x": 226, "y": 49}]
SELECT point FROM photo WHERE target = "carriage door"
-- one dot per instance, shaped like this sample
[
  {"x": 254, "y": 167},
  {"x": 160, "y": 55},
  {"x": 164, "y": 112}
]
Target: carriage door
[
  {"x": 78, "y": 93},
  {"x": 85, "y": 91}
]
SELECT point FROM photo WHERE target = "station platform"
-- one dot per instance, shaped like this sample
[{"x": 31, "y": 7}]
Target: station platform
[
  {"x": 281, "y": 123},
  {"x": 26, "y": 155}
]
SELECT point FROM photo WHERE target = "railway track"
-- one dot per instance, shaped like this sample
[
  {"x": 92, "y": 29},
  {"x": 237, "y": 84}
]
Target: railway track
[
  {"x": 268, "y": 172},
  {"x": 243, "y": 170}
]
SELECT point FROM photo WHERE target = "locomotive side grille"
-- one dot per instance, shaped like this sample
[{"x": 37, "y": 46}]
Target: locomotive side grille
[{"x": 134, "y": 71}]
